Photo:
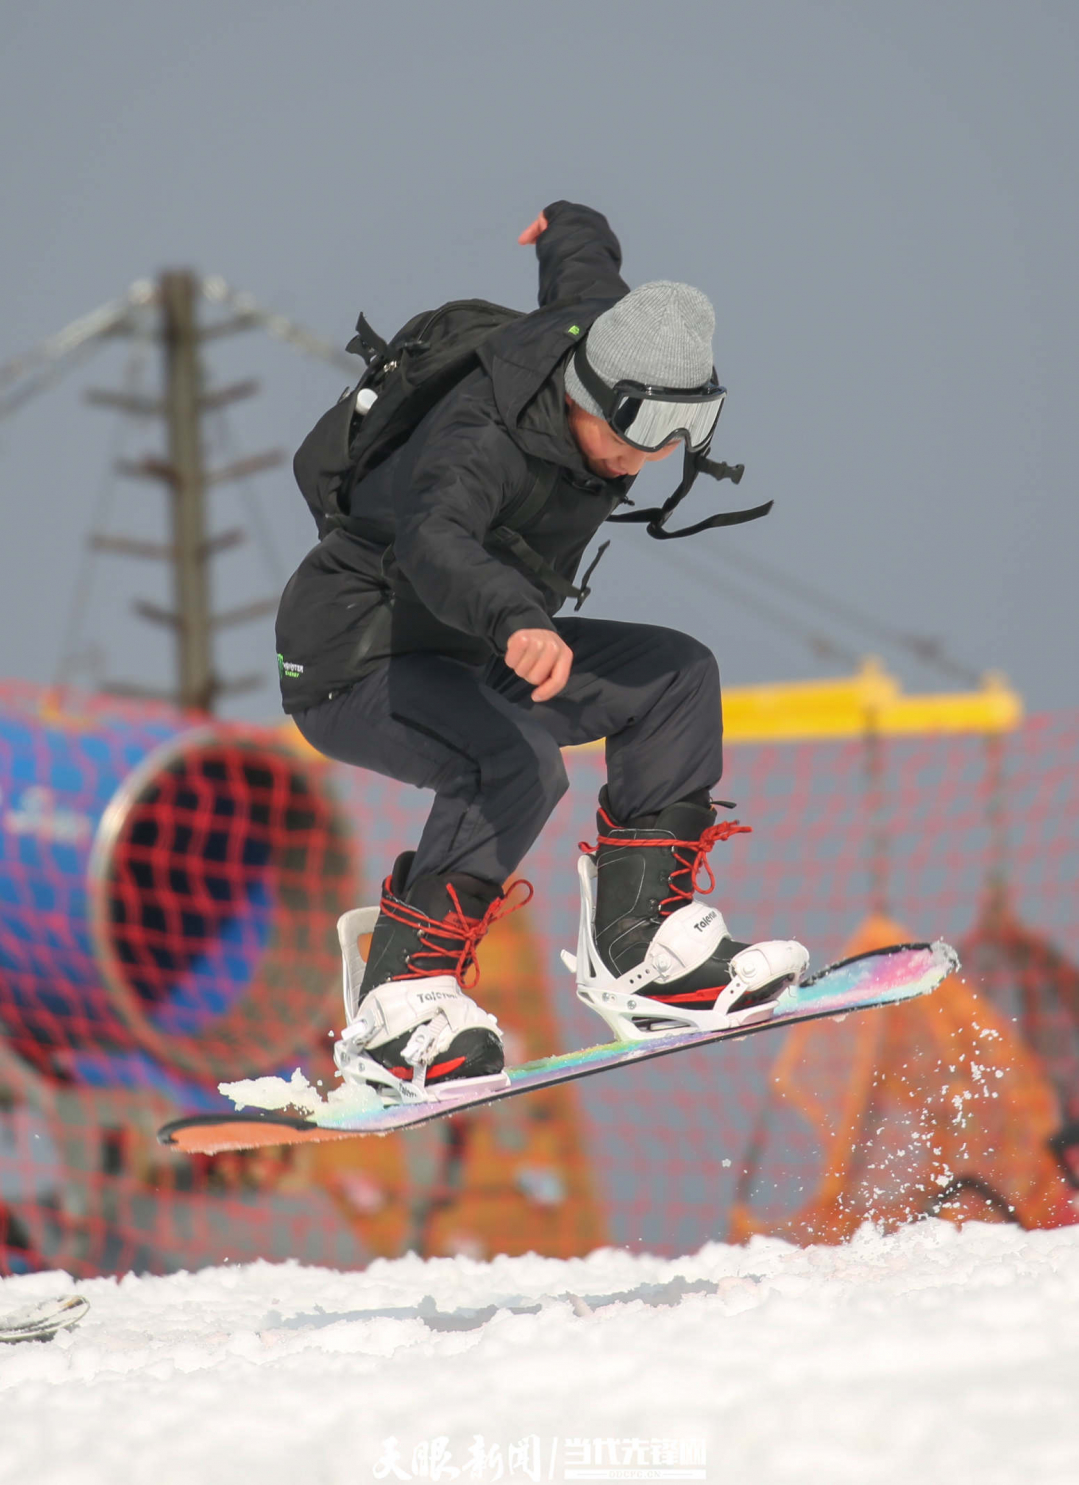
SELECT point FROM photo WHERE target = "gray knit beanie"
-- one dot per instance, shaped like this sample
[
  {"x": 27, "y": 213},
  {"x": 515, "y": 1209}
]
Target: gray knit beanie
[{"x": 659, "y": 334}]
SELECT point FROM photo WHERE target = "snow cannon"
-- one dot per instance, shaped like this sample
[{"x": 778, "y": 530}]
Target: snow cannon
[{"x": 169, "y": 889}]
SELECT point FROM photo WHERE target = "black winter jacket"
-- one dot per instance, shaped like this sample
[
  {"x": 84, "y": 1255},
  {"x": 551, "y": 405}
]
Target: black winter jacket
[{"x": 436, "y": 498}]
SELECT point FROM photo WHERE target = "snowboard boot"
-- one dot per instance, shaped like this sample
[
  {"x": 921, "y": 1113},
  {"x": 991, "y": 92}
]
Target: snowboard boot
[
  {"x": 410, "y": 1026},
  {"x": 651, "y": 958}
]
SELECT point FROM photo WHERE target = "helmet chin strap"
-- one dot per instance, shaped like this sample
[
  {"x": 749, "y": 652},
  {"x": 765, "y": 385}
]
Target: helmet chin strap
[{"x": 694, "y": 464}]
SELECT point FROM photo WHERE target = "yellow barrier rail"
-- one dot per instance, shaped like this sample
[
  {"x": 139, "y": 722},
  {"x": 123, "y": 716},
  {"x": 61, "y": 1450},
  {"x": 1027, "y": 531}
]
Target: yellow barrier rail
[{"x": 870, "y": 701}]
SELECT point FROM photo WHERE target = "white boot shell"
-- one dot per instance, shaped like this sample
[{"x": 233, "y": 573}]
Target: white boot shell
[{"x": 683, "y": 941}]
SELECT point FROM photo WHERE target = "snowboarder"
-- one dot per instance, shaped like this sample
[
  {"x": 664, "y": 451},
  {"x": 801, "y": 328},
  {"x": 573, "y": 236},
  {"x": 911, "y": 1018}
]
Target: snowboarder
[{"x": 420, "y": 641}]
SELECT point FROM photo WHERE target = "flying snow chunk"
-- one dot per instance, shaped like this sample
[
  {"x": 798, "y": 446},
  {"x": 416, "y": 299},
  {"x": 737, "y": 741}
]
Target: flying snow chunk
[{"x": 297, "y": 1093}]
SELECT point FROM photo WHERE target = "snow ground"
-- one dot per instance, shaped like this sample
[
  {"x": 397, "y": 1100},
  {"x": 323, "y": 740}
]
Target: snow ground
[{"x": 930, "y": 1355}]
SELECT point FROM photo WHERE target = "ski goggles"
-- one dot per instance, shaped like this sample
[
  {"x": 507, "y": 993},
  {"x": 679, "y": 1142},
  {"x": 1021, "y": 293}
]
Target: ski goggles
[{"x": 649, "y": 418}]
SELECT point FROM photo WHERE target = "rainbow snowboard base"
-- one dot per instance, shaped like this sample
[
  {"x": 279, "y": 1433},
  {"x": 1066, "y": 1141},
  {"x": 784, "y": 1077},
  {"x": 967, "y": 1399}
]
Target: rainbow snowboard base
[{"x": 883, "y": 977}]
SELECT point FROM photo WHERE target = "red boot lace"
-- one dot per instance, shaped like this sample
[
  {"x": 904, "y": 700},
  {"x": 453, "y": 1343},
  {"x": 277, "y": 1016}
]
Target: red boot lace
[
  {"x": 455, "y": 935},
  {"x": 688, "y": 867}
]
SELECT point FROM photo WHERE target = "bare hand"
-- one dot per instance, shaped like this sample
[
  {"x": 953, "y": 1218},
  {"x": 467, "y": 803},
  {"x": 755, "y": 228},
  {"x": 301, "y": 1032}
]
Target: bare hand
[
  {"x": 541, "y": 657},
  {"x": 530, "y": 233}
]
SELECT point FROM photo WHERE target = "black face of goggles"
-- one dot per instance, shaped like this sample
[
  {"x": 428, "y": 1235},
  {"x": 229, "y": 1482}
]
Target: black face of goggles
[{"x": 648, "y": 418}]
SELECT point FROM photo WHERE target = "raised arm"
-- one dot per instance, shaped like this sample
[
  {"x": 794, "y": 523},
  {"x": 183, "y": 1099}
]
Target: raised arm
[{"x": 579, "y": 256}]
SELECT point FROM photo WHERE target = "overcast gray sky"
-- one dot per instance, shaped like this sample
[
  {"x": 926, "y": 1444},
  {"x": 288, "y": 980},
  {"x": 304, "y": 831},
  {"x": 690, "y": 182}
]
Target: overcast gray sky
[{"x": 880, "y": 199}]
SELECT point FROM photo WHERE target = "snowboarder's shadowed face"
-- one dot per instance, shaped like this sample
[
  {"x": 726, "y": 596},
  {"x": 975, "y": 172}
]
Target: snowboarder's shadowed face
[{"x": 604, "y": 452}]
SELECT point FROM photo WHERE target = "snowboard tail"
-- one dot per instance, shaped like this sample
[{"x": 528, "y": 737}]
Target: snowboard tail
[{"x": 882, "y": 977}]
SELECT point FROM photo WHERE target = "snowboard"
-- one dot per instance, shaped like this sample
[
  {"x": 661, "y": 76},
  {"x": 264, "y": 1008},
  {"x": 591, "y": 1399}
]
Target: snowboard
[
  {"x": 882, "y": 977},
  {"x": 41, "y": 1321}
]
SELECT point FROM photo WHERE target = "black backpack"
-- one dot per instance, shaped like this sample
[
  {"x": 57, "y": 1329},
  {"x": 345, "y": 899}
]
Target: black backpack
[{"x": 410, "y": 373}]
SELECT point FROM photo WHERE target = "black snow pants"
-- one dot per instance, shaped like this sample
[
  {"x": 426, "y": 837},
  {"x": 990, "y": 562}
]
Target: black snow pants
[{"x": 491, "y": 754}]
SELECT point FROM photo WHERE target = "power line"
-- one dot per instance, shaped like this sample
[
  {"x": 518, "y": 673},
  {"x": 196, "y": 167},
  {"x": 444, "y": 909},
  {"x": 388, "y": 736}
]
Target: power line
[
  {"x": 41, "y": 366},
  {"x": 928, "y": 650},
  {"x": 821, "y": 645},
  {"x": 247, "y": 308}
]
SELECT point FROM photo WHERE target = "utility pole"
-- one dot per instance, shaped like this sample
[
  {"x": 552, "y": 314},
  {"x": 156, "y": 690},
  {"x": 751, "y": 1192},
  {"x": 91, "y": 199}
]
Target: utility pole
[
  {"x": 183, "y": 403},
  {"x": 183, "y": 389}
]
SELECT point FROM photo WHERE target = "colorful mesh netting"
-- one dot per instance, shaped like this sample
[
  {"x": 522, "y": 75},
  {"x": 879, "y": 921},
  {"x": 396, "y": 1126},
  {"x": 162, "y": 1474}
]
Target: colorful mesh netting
[{"x": 167, "y": 907}]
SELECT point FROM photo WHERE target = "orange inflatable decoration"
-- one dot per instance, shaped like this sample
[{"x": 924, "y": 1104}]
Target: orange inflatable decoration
[
  {"x": 931, "y": 1108},
  {"x": 1028, "y": 979}
]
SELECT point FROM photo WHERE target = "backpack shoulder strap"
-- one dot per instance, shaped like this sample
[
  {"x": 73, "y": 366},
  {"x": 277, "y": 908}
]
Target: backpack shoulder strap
[
  {"x": 517, "y": 513},
  {"x": 520, "y": 508}
]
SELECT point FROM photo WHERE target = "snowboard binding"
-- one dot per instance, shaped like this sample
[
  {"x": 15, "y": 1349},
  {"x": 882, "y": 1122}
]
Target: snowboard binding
[
  {"x": 398, "y": 1006},
  {"x": 684, "y": 941}
]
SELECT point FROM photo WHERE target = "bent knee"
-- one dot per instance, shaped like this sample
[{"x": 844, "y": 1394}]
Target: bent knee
[
  {"x": 534, "y": 766},
  {"x": 687, "y": 656},
  {"x": 549, "y": 770}
]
